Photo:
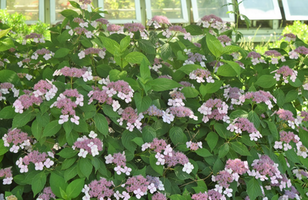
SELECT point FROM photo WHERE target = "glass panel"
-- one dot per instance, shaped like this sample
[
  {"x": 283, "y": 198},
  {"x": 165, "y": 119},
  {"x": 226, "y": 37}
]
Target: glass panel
[
  {"x": 215, "y": 7},
  {"x": 29, "y": 8},
  {"x": 124, "y": 9},
  {"x": 298, "y": 7},
  {"x": 264, "y": 5},
  {"x": 260, "y": 9},
  {"x": 62, "y": 5},
  {"x": 172, "y": 9}
]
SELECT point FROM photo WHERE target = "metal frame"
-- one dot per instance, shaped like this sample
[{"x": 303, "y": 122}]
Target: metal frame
[
  {"x": 122, "y": 21},
  {"x": 287, "y": 12},
  {"x": 256, "y": 14},
  {"x": 197, "y": 17},
  {"x": 185, "y": 18}
]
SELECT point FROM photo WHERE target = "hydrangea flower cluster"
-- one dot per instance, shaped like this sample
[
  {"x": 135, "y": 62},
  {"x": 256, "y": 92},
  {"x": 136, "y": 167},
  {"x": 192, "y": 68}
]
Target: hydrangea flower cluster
[
  {"x": 224, "y": 40},
  {"x": 242, "y": 124},
  {"x": 100, "y": 52},
  {"x": 45, "y": 88},
  {"x": 166, "y": 155},
  {"x": 177, "y": 29},
  {"x": 157, "y": 21},
  {"x": 131, "y": 28},
  {"x": 194, "y": 57},
  {"x": 287, "y": 115},
  {"x": 72, "y": 72},
  {"x": 274, "y": 55},
  {"x": 194, "y": 146},
  {"x": 285, "y": 72},
  {"x": 154, "y": 111},
  {"x": 200, "y": 74},
  {"x": 154, "y": 184},
  {"x": 38, "y": 159},
  {"x": 211, "y": 21},
  {"x": 47, "y": 194},
  {"x": 6, "y": 173},
  {"x": 232, "y": 93},
  {"x": 120, "y": 88},
  {"x": 138, "y": 185},
  {"x": 289, "y": 37},
  {"x": 67, "y": 102},
  {"x": 5, "y": 89},
  {"x": 176, "y": 98},
  {"x": 265, "y": 168},
  {"x": 37, "y": 38},
  {"x": 255, "y": 58},
  {"x": 101, "y": 189},
  {"x": 119, "y": 160},
  {"x": 114, "y": 28},
  {"x": 87, "y": 145},
  {"x": 47, "y": 54},
  {"x": 258, "y": 97},
  {"x": 285, "y": 139},
  {"x": 19, "y": 139},
  {"x": 214, "y": 109},
  {"x": 132, "y": 118},
  {"x": 25, "y": 101},
  {"x": 178, "y": 111}
]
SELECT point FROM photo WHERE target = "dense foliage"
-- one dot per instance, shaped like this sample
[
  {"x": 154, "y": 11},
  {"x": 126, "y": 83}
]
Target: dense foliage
[{"x": 102, "y": 111}]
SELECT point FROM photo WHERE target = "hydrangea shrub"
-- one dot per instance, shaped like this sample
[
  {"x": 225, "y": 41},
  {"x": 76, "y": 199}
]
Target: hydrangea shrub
[{"x": 105, "y": 111}]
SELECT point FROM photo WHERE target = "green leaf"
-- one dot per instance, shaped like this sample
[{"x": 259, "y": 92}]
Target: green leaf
[
  {"x": 273, "y": 129},
  {"x": 266, "y": 81},
  {"x": 124, "y": 43},
  {"x": 254, "y": 118},
  {"x": 36, "y": 129},
  {"x": 69, "y": 12},
  {"x": 166, "y": 51},
  {"x": 226, "y": 70},
  {"x": 38, "y": 183},
  {"x": 9, "y": 76},
  {"x": 68, "y": 162},
  {"x": 145, "y": 72},
  {"x": 214, "y": 45},
  {"x": 253, "y": 188},
  {"x": 67, "y": 153},
  {"x": 7, "y": 112},
  {"x": 60, "y": 53},
  {"x": 21, "y": 120},
  {"x": 4, "y": 32},
  {"x": 162, "y": 84},
  {"x": 111, "y": 45},
  {"x": 291, "y": 96},
  {"x": 148, "y": 134},
  {"x": 146, "y": 46},
  {"x": 230, "y": 49},
  {"x": 56, "y": 182},
  {"x": 138, "y": 140},
  {"x": 51, "y": 128},
  {"x": 75, "y": 4},
  {"x": 85, "y": 166},
  {"x": 220, "y": 129},
  {"x": 238, "y": 113},
  {"x": 203, "y": 152},
  {"x": 64, "y": 36},
  {"x": 3, "y": 149},
  {"x": 240, "y": 148},
  {"x": 6, "y": 44},
  {"x": 212, "y": 139},
  {"x": 180, "y": 174},
  {"x": 201, "y": 186},
  {"x": 223, "y": 151},
  {"x": 127, "y": 138},
  {"x": 136, "y": 58},
  {"x": 70, "y": 172},
  {"x": 74, "y": 188},
  {"x": 190, "y": 92},
  {"x": 187, "y": 69},
  {"x": 210, "y": 88},
  {"x": 194, "y": 29},
  {"x": 158, "y": 168},
  {"x": 177, "y": 135},
  {"x": 235, "y": 66},
  {"x": 247, "y": 21},
  {"x": 142, "y": 103},
  {"x": 101, "y": 123}
]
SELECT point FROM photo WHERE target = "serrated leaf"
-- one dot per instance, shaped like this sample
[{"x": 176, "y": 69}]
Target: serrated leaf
[
  {"x": 85, "y": 166},
  {"x": 60, "y": 53},
  {"x": 7, "y": 112},
  {"x": 163, "y": 84},
  {"x": 240, "y": 148},
  {"x": 212, "y": 139},
  {"x": 158, "y": 168},
  {"x": 190, "y": 92},
  {"x": 266, "y": 81},
  {"x": 101, "y": 123},
  {"x": 74, "y": 188},
  {"x": 214, "y": 45},
  {"x": 21, "y": 120},
  {"x": 203, "y": 152},
  {"x": 166, "y": 51},
  {"x": 142, "y": 103},
  {"x": 38, "y": 183},
  {"x": 51, "y": 128},
  {"x": 56, "y": 182},
  {"x": 177, "y": 135},
  {"x": 253, "y": 188}
]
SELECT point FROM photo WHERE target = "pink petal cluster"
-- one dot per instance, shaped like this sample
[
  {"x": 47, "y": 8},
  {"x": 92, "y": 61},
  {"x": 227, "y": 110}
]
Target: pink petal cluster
[
  {"x": 255, "y": 58},
  {"x": 200, "y": 74},
  {"x": 38, "y": 159},
  {"x": 242, "y": 124},
  {"x": 45, "y": 88},
  {"x": 101, "y": 189},
  {"x": 6, "y": 173},
  {"x": 132, "y": 118},
  {"x": 214, "y": 109},
  {"x": 119, "y": 160},
  {"x": 87, "y": 145},
  {"x": 19, "y": 139},
  {"x": 25, "y": 101},
  {"x": 259, "y": 97},
  {"x": 158, "y": 20},
  {"x": 285, "y": 72},
  {"x": 47, "y": 194}
]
